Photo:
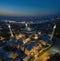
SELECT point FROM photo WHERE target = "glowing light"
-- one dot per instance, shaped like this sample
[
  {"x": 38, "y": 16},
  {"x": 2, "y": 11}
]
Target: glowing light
[
  {"x": 54, "y": 27},
  {"x": 9, "y": 26},
  {"x": 2, "y": 38},
  {"x": 29, "y": 29},
  {"x": 45, "y": 56},
  {"x": 26, "y": 40},
  {"x": 19, "y": 36},
  {"x": 13, "y": 55},
  {"x": 39, "y": 33},
  {"x": 36, "y": 36},
  {"x": 26, "y": 24}
]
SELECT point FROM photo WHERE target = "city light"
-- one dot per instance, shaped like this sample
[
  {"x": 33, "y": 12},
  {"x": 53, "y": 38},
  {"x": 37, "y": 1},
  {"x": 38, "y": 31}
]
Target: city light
[
  {"x": 54, "y": 27},
  {"x": 31, "y": 40},
  {"x": 36, "y": 37}
]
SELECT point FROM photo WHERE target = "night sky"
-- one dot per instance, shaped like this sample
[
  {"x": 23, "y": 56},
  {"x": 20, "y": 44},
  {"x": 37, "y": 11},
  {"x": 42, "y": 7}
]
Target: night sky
[{"x": 29, "y": 7}]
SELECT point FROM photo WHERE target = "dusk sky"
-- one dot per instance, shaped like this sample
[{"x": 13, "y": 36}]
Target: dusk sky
[{"x": 29, "y": 7}]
